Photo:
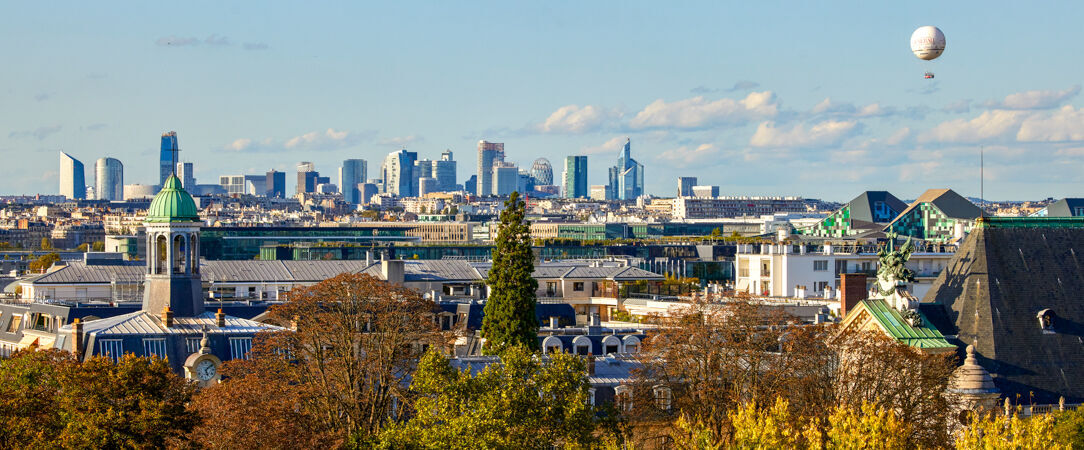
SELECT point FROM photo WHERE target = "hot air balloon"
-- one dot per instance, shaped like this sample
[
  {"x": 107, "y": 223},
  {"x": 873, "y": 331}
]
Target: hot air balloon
[{"x": 928, "y": 43}]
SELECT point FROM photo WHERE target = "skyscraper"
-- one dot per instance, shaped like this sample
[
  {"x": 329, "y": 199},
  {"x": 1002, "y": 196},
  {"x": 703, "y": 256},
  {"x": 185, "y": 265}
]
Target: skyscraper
[
  {"x": 187, "y": 175},
  {"x": 109, "y": 179},
  {"x": 627, "y": 177},
  {"x": 575, "y": 177},
  {"x": 168, "y": 156},
  {"x": 505, "y": 178},
  {"x": 306, "y": 177},
  {"x": 352, "y": 173},
  {"x": 685, "y": 186},
  {"x": 72, "y": 178},
  {"x": 444, "y": 171},
  {"x": 399, "y": 174},
  {"x": 276, "y": 184},
  {"x": 489, "y": 153},
  {"x": 542, "y": 172}
]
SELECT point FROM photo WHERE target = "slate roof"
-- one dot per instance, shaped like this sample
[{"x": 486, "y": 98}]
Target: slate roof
[
  {"x": 949, "y": 202},
  {"x": 145, "y": 323},
  {"x": 863, "y": 205},
  {"x": 315, "y": 271},
  {"x": 991, "y": 293}
]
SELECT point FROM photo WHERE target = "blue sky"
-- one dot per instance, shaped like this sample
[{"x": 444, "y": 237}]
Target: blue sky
[{"x": 761, "y": 98}]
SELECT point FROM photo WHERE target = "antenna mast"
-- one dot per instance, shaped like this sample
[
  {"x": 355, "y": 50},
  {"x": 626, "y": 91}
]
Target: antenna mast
[{"x": 982, "y": 194}]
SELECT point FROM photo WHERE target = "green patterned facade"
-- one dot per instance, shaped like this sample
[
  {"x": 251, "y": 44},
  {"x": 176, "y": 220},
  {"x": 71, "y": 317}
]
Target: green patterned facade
[
  {"x": 836, "y": 225},
  {"x": 929, "y": 223}
]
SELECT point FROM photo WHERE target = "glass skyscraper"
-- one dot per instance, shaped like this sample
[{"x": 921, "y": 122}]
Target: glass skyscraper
[
  {"x": 627, "y": 177},
  {"x": 399, "y": 177},
  {"x": 109, "y": 179},
  {"x": 575, "y": 177},
  {"x": 352, "y": 173},
  {"x": 168, "y": 156},
  {"x": 72, "y": 178},
  {"x": 489, "y": 154}
]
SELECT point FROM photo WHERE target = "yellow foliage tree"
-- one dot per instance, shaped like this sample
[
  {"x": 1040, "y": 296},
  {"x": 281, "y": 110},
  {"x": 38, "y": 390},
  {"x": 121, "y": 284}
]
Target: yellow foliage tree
[
  {"x": 865, "y": 427},
  {"x": 770, "y": 427},
  {"x": 995, "y": 431}
]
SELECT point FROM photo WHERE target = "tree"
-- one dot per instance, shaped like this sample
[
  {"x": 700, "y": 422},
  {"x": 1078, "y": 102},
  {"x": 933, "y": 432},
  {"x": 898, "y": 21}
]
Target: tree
[
  {"x": 997, "y": 431},
  {"x": 352, "y": 341},
  {"x": 44, "y": 262},
  {"x": 82, "y": 247},
  {"x": 1069, "y": 427},
  {"x": 46, "y": 244},
  {"x": 97, "y": 246},
  {"x": 48, "y": 399},
  {"x": 509, "y": 318},
  {"x": 522, "y": 402}
]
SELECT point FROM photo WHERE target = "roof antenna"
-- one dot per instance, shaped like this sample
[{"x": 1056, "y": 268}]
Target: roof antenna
[{"x": 982, "y": 195}]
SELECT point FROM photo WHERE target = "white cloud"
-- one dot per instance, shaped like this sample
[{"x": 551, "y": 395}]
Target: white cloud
[
  {"x": 989, "y": 125},
  {"x": 574, "y": 119},
  {"x": 612, "y": 145},
  {"x": 1065, "y": 124},
  {"x": 685, "y": 157},
  {"x": 822, "y": 134},
  {"x": 900, "y": 136},
  {"x": 958, "y": 107},
  {"x": 240, "y": 144},
  {"x": 1034, "y": 99},
  {"x": 698, "y": 112},
  {"x": 318, "y": 139},
  {"x": 176, "y": 41},
  {"x": 828, "y": 106}
]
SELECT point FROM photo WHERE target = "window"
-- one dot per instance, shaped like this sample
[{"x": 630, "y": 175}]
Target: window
[
  {"x": 551, "y": 289},
  {"x": 623, "y": 398},
  {"x": 577, "y": 286},
  {"x": 591, "y": 396},
  {"x": 192, "y": 345},
  {"x": 663, "y": 397},
  {"x": 240, "y": 348},
  {"x": 16, "y": 322},
  {"x": 154, "y": 347},
  {"x": 819, "y": 286},
  {"x": 111, "y": 348},
  {"x": 820, "y": 265}
]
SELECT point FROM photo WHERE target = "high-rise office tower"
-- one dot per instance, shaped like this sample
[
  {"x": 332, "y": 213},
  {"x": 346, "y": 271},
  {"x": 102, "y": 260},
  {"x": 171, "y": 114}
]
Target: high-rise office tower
[
  {"x": 352, "y": 173},
  {"x": 505, "y": 178},
  {"x": 109, "y": 179},
  {"x": 399, "y": 177},
  {"x": 233, "y": 184},
  {"x": 542, "y": 172},
  {"x": 72, "y": 178},
  {"x": 187, "y": 175},
  {"x": 627, "y": 177},
  {"x": 444, "y": 171},
  {"x": 276, "y": 184},
  {"x": 168, "y": 156},
  {"x": 306, "y": 177},
  {"x": 575, "y": 177},
  {"x": 685, "y": 186},
  {"x": 256, "y": 185},
  {"x": 489, "y": 153},
  {"x": 471, "y": 185}
]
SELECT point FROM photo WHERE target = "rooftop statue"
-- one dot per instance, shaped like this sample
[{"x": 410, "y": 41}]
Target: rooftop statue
[{"x": 893, "y": 274}]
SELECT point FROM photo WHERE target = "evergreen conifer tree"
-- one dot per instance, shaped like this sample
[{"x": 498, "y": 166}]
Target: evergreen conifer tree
[{"x": 509, "y": 319}]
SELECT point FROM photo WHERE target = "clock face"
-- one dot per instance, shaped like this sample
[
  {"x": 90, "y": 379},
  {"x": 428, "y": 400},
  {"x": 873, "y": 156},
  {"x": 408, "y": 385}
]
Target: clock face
[{"x": 206, "y": 370}]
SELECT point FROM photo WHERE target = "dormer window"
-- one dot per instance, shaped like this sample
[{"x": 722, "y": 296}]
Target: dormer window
[
  {"x": 623, "y": 398},
  {"x": 1046, "y": 320}
]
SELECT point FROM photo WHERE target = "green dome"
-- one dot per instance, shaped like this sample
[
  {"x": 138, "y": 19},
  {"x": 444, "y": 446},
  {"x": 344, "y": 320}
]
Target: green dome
[{"x": 172, "y": 204}]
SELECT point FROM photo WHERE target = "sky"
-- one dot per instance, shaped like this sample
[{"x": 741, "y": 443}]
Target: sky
[{"x": 760, "y": 98}]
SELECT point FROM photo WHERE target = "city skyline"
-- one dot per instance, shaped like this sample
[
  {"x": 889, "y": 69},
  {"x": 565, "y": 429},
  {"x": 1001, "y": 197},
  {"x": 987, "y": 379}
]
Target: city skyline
[{"x": 748, "y": 101}]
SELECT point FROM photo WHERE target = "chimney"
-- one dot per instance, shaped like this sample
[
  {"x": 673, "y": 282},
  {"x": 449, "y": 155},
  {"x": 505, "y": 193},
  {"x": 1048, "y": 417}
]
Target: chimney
[
  {"x": 590, "y": 364},
  {"x": 852, "y": 290},
  {"x": 393, "y": 271},
  {"x": 220, "y": 318},
  {"x": 594, "y": 320},
  {"x": 369, "y": 258},
  {"x": 77, "y": 338},
  {"x": 167, "y": 318},
  {"x": 555, "y": 322}
]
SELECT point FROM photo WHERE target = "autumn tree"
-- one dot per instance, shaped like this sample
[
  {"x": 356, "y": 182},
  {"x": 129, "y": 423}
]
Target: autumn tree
[
  {"x": 44, "y": 262},
  {"x": 522, "y": 402},
  {"x": 995, "y": 431},
  {"x": 48, "y": 399},
  {"x": 509, "y": 318},
  {"x": 351, "y": 342},
  {"x": 46, "y": 244}
]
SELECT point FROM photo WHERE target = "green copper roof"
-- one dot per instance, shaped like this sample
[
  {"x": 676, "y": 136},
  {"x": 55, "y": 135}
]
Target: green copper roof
[
  {"x": 924, "y": 336},
  {"x": 172, "y": 204}
]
